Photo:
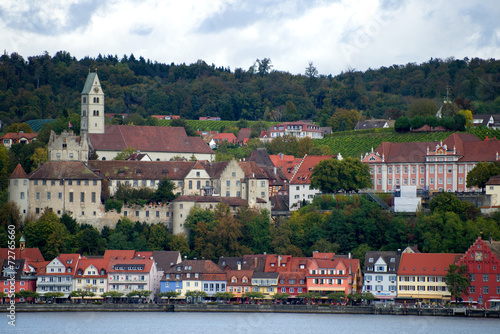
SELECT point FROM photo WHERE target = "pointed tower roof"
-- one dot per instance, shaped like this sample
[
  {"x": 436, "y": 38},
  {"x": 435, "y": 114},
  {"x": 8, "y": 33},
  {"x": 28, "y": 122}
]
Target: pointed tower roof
[
  {"x": 18, "y": 173},
  {"x": 89, "y": 82}
]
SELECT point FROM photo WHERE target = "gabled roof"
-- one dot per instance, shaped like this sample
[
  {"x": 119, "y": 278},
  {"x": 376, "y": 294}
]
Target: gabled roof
[
  {"x": 166, "y": 259},
  {"x": 146, "y": 170},
  {"x": 148, "y": 139},
  {"x": 251, "y": 170},
  {"x": 386, "y": 256},
  {"x": 98, "y": 263},
  {"x": 303, "y": 174},
  {"x": 68, "y": 170},
  {"x": 201, "y": 267},
  {"x": 229, "y": 137},
  {"x": 215, "y": 169},
  {"x": 18, "y": 173},
  {"x": 19, "y": 135},
  {"x": 261, "y": 157},
  {"x": 279, "y": 203},
  {"x": 239, "y": 274},
  {"x": 244, "y": 133},
  {"x": 426, "y": 264}
]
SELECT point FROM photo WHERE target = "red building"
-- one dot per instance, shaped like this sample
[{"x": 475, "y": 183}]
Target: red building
[
  {"x": 483, "y": 261},
  {"x": 26, "y": 262}
]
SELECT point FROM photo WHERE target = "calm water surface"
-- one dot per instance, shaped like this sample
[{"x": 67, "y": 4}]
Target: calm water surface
[{"x": 225, "y": 323}]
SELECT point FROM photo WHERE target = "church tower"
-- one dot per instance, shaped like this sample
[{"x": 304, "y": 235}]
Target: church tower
[{"x": 92, "y": 106}]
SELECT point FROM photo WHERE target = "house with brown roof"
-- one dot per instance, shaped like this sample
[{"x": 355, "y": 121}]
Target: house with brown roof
[
  {"x": 219, "y": 138},
  {"x": 11, "y": 138},
  {"x": 421, "y": 276},
  {"x": 159, "y": 142},
  {"x": 432, "y": 166},
  {"x": 194, "y": 275},
  {"x": 64, "y": 187}
]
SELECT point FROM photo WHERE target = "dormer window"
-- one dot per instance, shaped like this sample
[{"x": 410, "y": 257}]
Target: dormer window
[
  {"x": 370, "y": 259},
  {"x": 69, "y": 270},
  {"x": 80, "y": 272}
]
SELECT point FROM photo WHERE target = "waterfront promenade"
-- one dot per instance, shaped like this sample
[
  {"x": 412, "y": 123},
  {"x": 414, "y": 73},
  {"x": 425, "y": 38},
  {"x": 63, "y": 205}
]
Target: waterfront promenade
[{"x": 462, "y": 312}]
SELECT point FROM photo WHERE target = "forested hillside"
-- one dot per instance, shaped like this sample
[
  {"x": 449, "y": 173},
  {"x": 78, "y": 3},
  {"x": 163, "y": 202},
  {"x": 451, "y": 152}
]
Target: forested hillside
[{"x": 46, "y": 86}]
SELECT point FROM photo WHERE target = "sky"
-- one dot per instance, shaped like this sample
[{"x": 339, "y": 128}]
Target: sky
[{"x": 335, "y": 35}]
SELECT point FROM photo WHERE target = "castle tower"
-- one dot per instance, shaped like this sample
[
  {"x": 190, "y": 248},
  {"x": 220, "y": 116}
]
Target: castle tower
[
  {"x": 92, "y": 106},
  {"x": 19, "y": 189}
]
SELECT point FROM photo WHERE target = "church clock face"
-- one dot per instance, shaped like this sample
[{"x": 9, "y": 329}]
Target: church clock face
[
  {"x": 479, "y": 256},
  {"x": 96, "y": 89}
]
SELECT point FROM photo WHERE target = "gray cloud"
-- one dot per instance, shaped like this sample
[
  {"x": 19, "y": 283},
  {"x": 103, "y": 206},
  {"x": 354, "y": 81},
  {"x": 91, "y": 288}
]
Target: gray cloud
[
  {"x": 38, "y": 19},
  {"x": 246, "y": 13}
]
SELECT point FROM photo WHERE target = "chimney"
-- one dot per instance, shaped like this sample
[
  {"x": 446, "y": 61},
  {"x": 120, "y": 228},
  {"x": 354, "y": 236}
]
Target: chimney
[
  {"x": 239, "y": 265},
  {"x": 255, "y": 262},
  {"x": 349, "y": 255},
  {"x": 279, "y": 261},
  {"x": 274, "y": 170}
]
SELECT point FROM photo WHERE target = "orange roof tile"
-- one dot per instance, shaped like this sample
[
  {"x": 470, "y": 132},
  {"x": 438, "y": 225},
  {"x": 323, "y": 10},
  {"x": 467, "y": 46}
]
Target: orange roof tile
[
  {"x": 18, "y": 173},
  {"x": 426, "y": 264}
]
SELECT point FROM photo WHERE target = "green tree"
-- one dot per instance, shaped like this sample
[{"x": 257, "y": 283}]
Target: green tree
[
  {"x": 223, "y": 295},
  {"x": 125, "y": 153},
  {"x": 304, "y": 146},
  {"x": 263, "y": 66},
  {"x": 332, "y": 175},
  {"x": 38, "y": 157},
  {"x": 343, "y": 119},
  {"x": 169, "y": 295},
  {"x": 481, "y": 173},
  {"x": 402, "y": 124},
  {"x": 20, "y": 127},
  {"x": 457, "y": 280},
  {"x": 196, "y": 296},
  {"x": 48, "y": 234},
  {"x": 165, "y": 191},
  {"x": 422, "y": 107},
  {"x": 252, "y": 295}
]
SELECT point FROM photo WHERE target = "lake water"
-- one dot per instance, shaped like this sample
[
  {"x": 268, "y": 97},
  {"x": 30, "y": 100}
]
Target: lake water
[{"x": 225, "y": 323}]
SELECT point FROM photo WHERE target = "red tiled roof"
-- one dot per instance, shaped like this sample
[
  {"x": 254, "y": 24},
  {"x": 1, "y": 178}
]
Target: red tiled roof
[
  {"x": 426, "y": 264},
  {"x": 229, "y": 137},
  {"x": 148, "y": 139},
  {"x": 303, "y": 174},
  {"x": 99, "y": 263},
  {"x": 147, "y": 263},
  {"x": 19, "y": 135},
  {"x": 119, "y": 254},
  {"x": 30, "y": 254},
  {"x": 18, "y": 173},
  {"x": 278, "y": 159}
]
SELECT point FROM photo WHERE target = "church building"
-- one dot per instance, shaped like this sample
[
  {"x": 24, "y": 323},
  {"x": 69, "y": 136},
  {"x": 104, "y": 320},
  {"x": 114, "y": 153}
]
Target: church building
[{"x": 107, "y": 140}]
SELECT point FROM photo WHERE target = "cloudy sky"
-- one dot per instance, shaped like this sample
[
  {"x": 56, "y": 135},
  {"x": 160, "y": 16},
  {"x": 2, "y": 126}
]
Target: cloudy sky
[{"x": 333, "y": 34}]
